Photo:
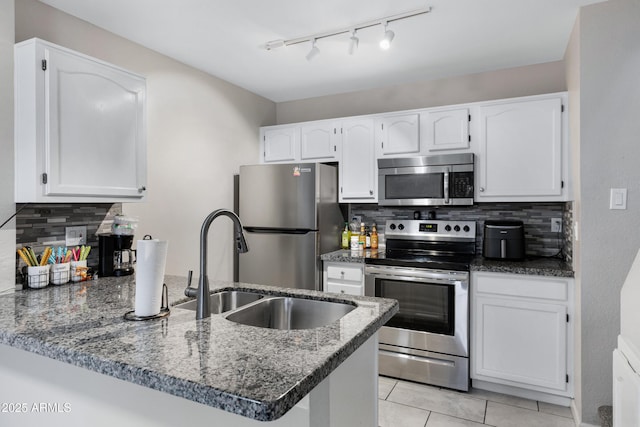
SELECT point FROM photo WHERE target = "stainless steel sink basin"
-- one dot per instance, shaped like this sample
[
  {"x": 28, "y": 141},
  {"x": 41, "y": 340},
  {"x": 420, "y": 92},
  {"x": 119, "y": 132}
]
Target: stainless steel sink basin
[
  {"x": 290, "y": 313},
  {"x": 225, "y": 301}
]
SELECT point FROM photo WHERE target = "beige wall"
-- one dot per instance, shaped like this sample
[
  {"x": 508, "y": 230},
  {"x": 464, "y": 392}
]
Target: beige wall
[
  {"x": 7, "y": 206},
  {"x": 609, "y": 153},
  {"x": 199, "y": 130},
  {"x": 507, "y": 83}
]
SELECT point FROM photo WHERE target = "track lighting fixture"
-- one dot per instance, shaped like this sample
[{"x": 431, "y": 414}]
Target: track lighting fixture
[
  {"x": 314, "y": 51},
  {"x": 385, "y": 43},
  {"x": 353, "y": 42}
]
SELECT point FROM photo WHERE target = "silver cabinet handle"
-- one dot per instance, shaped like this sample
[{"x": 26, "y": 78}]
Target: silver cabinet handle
[
  {"x": 371, "y": 192},
  {"x": 482, "y": 189},
  {"x": 141, "y": 189}
]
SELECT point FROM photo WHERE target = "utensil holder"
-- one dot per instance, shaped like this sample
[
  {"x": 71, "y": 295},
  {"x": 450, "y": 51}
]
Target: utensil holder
[
  {"x": 38, "y": 276},
  {"x": 59, "y": 273}
]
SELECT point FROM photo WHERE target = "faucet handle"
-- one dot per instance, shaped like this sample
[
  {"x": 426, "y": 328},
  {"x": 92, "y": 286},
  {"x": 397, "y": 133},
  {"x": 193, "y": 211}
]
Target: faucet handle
[{"x": 189, "y": 291}]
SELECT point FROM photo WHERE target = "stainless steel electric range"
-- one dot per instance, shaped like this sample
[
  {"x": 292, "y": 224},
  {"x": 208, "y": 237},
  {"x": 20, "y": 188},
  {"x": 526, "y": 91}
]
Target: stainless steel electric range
[{"x": 426, "y": 268}]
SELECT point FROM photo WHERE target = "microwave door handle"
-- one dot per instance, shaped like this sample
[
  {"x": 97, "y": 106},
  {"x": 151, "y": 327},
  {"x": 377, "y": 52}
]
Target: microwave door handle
[{"x": 446, "y": 185}]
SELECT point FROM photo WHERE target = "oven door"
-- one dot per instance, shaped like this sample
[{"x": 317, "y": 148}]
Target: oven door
[{"x": 434, "y": 307}]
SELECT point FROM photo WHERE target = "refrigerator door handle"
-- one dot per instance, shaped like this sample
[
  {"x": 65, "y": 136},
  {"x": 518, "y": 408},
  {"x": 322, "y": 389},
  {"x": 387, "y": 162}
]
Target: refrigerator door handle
[{"x": 269, "y": 230}]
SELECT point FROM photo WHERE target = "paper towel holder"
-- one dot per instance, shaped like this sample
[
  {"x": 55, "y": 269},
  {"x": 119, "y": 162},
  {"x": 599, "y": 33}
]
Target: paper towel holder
[{"x": 164, "y": 308}]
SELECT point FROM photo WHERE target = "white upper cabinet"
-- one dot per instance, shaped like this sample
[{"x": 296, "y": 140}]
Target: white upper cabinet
[
  {"x": 358, "y": 166},
  {"x": 398, "y": 135},
  {"x": 80, "y": 127},
  {"x": 446, "y": 130},
  {"x": 521, "y": 146},
  {"x": 280, "y": 143},
  {"x": 319, "y": 142},
  {"x": 522, "y": 156}
]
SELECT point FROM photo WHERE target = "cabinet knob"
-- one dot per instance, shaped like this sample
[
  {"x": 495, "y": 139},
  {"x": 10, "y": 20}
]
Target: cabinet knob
[
  {"x": 342, "y": 273},
  {"x": 141, "y": 189},
  {"x": 481, "y": 189},
  {"x": 371, "y": 192},
  {"x": 342, "y": 291}
]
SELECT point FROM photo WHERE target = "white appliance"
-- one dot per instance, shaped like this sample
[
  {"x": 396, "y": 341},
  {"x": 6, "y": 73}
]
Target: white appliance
[{"x": 626, "y": 358}]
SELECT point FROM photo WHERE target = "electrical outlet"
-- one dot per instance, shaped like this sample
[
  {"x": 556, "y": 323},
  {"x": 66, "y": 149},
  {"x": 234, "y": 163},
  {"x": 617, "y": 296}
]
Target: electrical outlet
[
  {"x": 74, "y": 236},
  {"x": 556, "y": 225}
]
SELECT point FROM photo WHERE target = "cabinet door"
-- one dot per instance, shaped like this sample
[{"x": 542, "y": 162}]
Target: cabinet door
[
  {"x": 399, "y": 134},
  {"x": 319, "y": 142},
  {"x": 280, "y": 144},
  {"x": 95, "y": 132},
  {"x": 521, "y": 342},
  {"x": 358, "y": 167},
  {"x": 446, "y": 130},
  {"x": 521, "y": 151}
]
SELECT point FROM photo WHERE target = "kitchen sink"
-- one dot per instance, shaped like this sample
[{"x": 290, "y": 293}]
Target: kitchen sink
[
  {"x": 224, "y": 301},
  {"x": 290, "y": 313}
]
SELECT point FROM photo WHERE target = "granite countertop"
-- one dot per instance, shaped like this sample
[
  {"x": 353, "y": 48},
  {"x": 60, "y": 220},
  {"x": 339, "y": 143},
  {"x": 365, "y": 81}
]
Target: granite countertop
[
  {"x": 254, "y": 372},
  {"x": 534, "y": 266},
  {"x": 538, "y": 266},
  {"x": 347, "y": 255}
]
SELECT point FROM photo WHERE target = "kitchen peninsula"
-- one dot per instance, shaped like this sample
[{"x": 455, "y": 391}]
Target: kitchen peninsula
[{"x": 69, "y": 358}]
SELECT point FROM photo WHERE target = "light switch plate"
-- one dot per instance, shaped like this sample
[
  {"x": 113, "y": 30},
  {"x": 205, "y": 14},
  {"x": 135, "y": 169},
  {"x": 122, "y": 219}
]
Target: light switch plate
[
  {"x": 75, "y": 236},
  {"x": 618, "y": 198}
]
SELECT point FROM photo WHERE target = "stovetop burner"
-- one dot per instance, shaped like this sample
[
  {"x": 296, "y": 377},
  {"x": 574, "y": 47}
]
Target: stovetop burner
[
  {"x": 440, "y": 245},
  {"x": 456, "y": 263}
]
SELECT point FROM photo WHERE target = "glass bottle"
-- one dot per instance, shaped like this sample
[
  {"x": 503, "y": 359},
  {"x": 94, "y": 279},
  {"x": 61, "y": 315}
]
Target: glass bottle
[
  {"x": 374, "y": 236},
  {"x": 362, "y": 239},
  {"x": 346, "y": 236}
]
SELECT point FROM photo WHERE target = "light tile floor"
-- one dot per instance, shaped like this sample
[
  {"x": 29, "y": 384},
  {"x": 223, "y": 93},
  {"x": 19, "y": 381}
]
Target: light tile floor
[{"x": 407, "y": 404}]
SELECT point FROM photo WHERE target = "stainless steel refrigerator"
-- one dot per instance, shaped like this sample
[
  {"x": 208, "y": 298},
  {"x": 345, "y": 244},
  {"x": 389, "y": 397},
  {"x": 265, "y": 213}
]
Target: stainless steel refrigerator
[{"x": 291, "y": 216}]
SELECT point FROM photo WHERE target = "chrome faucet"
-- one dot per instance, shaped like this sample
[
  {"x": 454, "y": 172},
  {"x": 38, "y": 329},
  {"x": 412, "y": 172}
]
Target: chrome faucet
[{"x": 203, "y": 308}]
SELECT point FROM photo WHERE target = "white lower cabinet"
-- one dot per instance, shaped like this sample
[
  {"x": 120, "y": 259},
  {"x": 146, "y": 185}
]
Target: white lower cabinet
[
  {"x": 343, "y": 278},
  {"x": 521, "y": 333}
]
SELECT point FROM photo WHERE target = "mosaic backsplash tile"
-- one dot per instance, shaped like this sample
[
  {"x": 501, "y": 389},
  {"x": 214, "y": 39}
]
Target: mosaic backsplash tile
[
  {"x": 42, "y": 225},
  {"x": 540, "y": 241}
]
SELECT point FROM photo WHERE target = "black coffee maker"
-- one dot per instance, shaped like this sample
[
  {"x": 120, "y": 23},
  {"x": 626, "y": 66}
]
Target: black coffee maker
[{"x": 116, "y": 258}]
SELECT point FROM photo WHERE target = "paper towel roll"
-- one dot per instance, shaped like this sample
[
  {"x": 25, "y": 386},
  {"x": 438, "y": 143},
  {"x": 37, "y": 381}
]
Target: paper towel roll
[{"x": 151, "y": 257}]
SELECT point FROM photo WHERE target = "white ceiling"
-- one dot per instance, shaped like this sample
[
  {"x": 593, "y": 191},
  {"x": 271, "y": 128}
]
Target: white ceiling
[{"x": 225, "y": 38}]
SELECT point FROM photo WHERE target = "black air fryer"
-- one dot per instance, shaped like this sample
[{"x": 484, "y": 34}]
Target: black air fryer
[{"x": 503, "y": 239}]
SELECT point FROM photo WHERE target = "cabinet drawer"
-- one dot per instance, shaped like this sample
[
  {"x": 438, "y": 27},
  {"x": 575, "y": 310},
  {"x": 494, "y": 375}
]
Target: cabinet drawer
[
  {"x": 341, "y": 272},
  {"x": 552, "y": 288},
  {"x": 340, "y": 288}
]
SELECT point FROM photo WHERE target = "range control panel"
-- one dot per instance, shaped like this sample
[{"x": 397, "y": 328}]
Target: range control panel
[{"x": 430, "y": 229}]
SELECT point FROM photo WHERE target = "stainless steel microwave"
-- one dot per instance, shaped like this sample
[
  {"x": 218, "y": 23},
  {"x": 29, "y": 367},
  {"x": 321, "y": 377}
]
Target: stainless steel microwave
[{"x": 443, "y": 180}]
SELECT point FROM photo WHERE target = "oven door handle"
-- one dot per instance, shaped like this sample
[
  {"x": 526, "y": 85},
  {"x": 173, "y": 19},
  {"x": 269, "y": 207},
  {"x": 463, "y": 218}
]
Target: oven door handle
[
  {"x": 432, "y": 360},
  {"x": 416, "y": 275}
]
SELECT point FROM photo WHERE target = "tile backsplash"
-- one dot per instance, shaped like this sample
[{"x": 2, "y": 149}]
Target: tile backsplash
[
  {"x": 42, "y": 225},
  {"x": 540, "y": 240}
]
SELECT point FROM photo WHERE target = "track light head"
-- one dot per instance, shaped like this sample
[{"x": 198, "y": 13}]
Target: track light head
[
  {"x": 385, "y": 43},
  {"x": 353, "y": 42},
  {"x": 314, "y": 51}
]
